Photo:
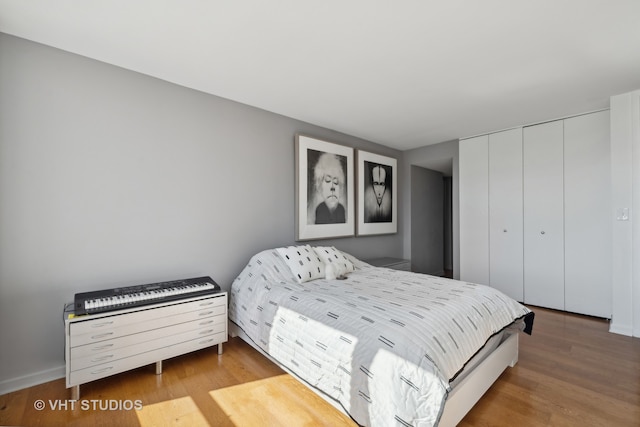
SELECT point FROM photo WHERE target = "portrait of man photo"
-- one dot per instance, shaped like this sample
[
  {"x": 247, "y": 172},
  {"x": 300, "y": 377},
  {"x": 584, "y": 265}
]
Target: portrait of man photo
[
  {"x": 326, "y": 187},
  {"x": 377, "y": 193}
]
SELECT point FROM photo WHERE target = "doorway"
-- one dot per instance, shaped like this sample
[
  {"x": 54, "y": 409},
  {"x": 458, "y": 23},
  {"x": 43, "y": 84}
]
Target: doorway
[{"x": 431, "y": 222}]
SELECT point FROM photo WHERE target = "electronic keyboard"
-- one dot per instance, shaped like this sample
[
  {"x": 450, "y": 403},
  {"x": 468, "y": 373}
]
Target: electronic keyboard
[{"x": 134, "y": 296}]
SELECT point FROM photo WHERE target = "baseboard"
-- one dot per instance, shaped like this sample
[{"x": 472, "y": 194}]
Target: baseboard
[
  {"x": 621, "y": 329},
  {"x": 14, "y": 384}
]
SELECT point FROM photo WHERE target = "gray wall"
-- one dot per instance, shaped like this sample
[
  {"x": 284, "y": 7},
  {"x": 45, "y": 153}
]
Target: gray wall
[
  {"x": 448, "y": 223},
  {"x": 427, "y": 221},
  {"x": 112, "y": 178}
]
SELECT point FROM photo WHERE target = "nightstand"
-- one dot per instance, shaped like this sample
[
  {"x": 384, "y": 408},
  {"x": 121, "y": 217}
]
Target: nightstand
[{"x": 394, "y": 263}]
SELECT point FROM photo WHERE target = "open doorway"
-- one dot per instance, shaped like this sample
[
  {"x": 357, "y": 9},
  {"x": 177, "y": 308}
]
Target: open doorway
[{"x": 431, "y": 222}]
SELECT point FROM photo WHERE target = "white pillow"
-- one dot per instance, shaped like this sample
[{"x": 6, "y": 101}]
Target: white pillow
[
  {"x": 303, "y": 261},
  {"x": 331, "y": 256}
]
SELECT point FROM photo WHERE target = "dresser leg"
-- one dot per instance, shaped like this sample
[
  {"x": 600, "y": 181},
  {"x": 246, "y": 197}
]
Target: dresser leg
[
  {"x": 220, "y": 348},
  {"x": 158, "y": 367},
  {"x": 75, "y": 392}
]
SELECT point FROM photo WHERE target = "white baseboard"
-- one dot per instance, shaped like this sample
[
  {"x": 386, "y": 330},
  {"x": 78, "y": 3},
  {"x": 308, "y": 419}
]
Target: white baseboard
[
  {"x": 621, "y": 329},
  {"x": 14, "y": 384}
]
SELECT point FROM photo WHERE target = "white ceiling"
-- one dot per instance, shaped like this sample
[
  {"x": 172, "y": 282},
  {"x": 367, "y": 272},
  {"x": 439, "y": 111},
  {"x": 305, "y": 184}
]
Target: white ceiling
[{"x": 404, "y": 73}]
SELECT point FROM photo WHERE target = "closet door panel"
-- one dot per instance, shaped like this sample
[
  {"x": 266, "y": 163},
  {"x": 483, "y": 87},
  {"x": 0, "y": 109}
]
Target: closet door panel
[
  {"x": 505, "y": 213},
  {"x": 543, "y": 215},
  {"x": 474, "y": 209},
  {"x": 588, "y": 229}
]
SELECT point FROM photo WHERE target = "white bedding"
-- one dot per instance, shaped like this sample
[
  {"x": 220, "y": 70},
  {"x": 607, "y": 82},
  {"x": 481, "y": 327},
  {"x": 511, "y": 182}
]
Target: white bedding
[{"x": 383, "y": 343}]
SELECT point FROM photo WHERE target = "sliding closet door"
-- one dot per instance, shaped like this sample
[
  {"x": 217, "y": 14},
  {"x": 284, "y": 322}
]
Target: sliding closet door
[
  {"x": 473, "y": 160},
  {"x": 588, "y": 229},
  {"x": 505, "y": 213},
  {"x": 543, "y": 215}
]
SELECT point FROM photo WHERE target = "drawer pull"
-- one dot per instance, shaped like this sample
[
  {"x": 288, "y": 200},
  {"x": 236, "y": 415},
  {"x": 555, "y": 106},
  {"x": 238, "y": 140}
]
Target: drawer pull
[
  {"x": 205, "y": 313},
  {"x": 102, "y": 347},
  {"x": 208, "y": 331},
  {"x": 100, "y": 325},
  {"x": 206, "y": 322},
  {"x": 97, "y": 337},
  {"x": 206, "y": 341},
  {"x": 204, "y": 304},
  {"x": 99, "y": 371},
  {"x": 103, "y": 358}
]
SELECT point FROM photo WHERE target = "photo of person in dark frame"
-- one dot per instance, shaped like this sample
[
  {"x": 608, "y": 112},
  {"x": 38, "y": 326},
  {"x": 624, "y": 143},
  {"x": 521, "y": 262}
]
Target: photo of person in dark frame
[
  {"x": 377, "y": 193},
  {"x": 326, "y": 188}
]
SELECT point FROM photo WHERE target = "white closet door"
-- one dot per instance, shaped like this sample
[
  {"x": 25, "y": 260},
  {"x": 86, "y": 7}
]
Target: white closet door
[
  {"x": 543, "y": 215},
  {"x": 505, "y": 213},
  {"x": 473, "y": 160},
  {"x": 588, "y": 229}
]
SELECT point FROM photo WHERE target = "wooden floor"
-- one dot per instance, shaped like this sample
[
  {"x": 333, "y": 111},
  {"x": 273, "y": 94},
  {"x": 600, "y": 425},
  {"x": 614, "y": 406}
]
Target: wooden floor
[{"x": 571, "y": 372}]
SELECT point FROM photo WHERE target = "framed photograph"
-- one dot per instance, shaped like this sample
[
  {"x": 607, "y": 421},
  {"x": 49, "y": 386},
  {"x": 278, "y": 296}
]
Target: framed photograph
[
  {"x": 377, "y": 194},
  {"x": 325, "y": 187}
]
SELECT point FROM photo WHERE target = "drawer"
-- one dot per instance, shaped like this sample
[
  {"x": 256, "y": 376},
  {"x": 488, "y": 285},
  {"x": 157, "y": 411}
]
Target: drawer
[
  {"x": 110, "y": 320},
  {"x": 106, "y": 369},
  {"x": 100, "y": 330},
  {"x": 393, "y": 263},
  {"x": 82, "y": 357},
  {"x": 404, "y": 266},
  {"x": 100, "y": 348}
]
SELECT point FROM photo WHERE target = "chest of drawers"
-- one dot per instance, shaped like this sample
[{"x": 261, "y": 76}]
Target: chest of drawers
[
  {"x": 99, "y": 345},
  {"x": 394, "y": 263}
]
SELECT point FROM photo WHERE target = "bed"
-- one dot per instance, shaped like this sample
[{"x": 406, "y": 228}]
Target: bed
[{"x": 387, "y": 347}]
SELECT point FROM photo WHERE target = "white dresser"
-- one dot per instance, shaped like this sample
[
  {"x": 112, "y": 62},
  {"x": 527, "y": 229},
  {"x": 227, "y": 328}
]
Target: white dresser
[
  {"x": 393, "y": 263},
  {"x": 99, "y": 345}
]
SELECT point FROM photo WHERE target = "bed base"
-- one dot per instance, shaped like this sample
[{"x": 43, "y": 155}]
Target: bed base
[
  {"x": 466, "y": 394},
  {"x": 462, "y": 398}
]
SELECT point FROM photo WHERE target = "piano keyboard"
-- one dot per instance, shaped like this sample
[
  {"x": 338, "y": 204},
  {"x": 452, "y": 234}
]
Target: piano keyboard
[{"x": 133, "y": 296}]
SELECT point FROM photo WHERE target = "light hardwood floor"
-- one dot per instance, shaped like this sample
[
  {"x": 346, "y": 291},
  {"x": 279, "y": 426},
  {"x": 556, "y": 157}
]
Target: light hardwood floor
[{"x": 571, "y": 372}]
